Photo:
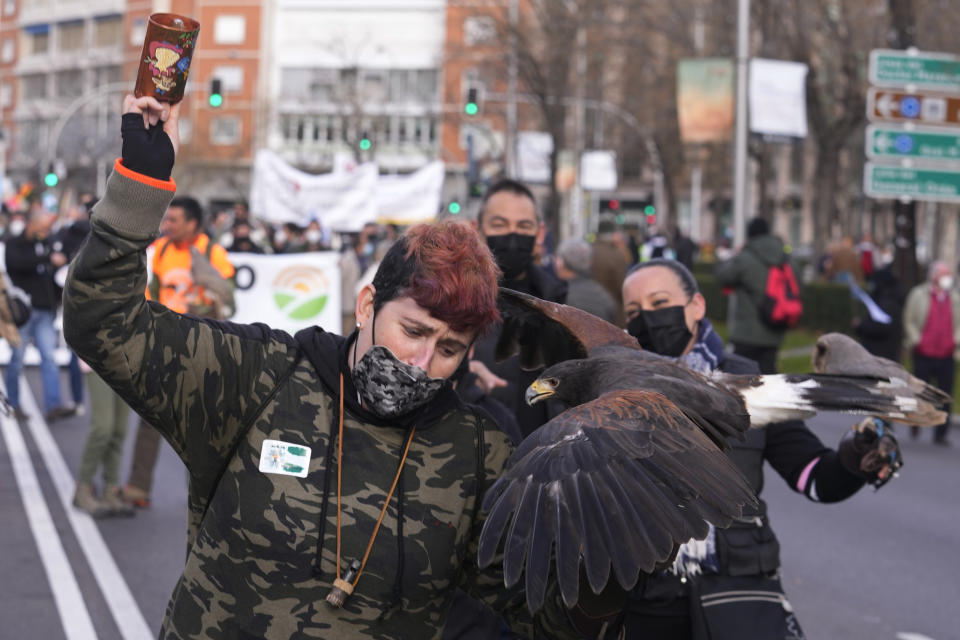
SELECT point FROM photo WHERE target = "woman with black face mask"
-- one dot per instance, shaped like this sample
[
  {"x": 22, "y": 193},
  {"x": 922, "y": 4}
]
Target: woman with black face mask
[{"x": 667, "y": 314}]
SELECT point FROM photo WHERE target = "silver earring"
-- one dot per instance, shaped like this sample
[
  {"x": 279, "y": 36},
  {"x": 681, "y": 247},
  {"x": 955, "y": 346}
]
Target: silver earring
[{"x": 359, "y": 325}]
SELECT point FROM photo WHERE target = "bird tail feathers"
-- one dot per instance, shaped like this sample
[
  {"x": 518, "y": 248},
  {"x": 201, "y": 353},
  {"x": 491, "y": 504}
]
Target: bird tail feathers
[{"x": 775, "y": 398}]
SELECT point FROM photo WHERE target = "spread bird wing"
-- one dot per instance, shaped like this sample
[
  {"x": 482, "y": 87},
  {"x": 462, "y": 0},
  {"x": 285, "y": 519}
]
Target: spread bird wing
[
  {"x": 839, "y": 354},
  {"x": 543, "y": 333},
  {"x": 617, "y": 482},
  {"x": 836, "y": 354}
]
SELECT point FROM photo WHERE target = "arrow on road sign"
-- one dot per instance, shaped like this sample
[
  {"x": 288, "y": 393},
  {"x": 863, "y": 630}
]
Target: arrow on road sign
[
  {"x": 921, "y": 107},
  {"x": 916, "y": 143}
]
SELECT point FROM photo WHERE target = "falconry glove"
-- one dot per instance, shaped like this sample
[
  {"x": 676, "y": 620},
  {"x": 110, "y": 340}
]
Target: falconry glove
[
  {"x": 870, "y": 450},
  {"x": 147, "y": 151}
]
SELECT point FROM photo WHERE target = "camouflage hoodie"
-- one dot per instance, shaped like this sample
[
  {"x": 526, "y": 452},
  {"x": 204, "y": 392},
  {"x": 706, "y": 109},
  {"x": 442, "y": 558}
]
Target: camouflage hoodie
[{"x": 216, "y": 391}]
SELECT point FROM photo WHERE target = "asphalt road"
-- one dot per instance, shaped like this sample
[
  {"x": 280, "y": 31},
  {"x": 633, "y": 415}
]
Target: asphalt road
[{"x": 882, "y": 565}]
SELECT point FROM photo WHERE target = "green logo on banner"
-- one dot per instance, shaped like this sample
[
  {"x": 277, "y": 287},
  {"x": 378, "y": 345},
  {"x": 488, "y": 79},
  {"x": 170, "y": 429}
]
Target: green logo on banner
[{"x": 301, "y": 292}]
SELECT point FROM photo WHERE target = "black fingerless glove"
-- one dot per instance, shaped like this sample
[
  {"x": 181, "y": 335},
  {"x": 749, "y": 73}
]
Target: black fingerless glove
[
  {"x": 871, "y": 452},
  {"x": 146, "y": 151}
]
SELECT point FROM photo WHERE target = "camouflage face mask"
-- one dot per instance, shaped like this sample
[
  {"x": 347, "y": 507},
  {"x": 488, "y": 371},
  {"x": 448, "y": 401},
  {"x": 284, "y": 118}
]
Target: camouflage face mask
[{"x": 390, "y": 387}]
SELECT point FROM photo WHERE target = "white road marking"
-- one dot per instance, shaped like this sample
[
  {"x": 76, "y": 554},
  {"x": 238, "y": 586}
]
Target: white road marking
[
  {"x": 123, "y": 606},
  {"x": 909, "y": 635},
  {"x": 74, "y": 616}
]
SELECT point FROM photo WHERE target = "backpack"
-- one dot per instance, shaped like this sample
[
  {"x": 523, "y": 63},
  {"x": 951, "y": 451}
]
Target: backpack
[
  {"x": 17, "y": 302},
  {"x": 780, "y": 306}
]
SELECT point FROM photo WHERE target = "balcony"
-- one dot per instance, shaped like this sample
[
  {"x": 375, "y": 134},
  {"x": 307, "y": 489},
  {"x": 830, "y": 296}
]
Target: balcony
[
  {"x": 400, "y": 142},
  {"x": 35, "y": 11}
]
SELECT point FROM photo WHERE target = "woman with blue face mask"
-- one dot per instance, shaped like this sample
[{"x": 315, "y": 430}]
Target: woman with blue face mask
[{"x": 667, "y": 314}]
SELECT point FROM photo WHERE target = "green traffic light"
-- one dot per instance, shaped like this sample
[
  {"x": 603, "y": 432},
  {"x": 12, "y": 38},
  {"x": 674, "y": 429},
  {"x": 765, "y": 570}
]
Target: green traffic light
[
  {"x": 454, "y": 208},
  {"x": 51, "y": 179},
  {"x": 471, "y": 108},
  {"x": 365, "y": 144},
  {"x": 216, "y": 99},
  {"x": 650, "y": 210}
]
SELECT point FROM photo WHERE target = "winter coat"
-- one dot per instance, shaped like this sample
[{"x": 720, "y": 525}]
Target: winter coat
[
  {"x": 543, "y": 284},
  {"x": 263, "y": 544},
  {"x": 915, "y": 316},
  {"x": 746, "y": 273}
]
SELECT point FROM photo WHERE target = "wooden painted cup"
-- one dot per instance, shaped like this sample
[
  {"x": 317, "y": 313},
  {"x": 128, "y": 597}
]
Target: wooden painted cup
[{"x": 165, "y": 61}]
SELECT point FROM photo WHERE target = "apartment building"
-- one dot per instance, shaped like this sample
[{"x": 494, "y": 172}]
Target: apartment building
[
  {"x": 65, "y": 65},
  {"x": 355, "y": 79},
  {"x": 53, "y": 52}
]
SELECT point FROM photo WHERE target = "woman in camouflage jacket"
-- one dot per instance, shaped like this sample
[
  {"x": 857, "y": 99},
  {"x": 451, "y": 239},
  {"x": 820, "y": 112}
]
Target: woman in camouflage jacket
[{"x": 280, "y": 504}]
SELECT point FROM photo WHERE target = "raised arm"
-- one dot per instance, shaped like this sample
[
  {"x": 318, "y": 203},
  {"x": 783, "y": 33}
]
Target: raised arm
[{"x": 197, "y": 381}]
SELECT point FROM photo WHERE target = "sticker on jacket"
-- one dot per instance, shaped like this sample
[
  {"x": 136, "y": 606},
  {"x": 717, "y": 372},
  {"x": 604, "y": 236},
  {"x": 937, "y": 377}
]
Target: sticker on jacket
[{"x": 284, "y": 458}]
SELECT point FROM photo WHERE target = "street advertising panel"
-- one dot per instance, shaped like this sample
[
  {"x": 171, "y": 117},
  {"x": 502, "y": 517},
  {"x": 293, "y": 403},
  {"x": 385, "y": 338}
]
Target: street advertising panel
[{"x": 705, "y": 99}]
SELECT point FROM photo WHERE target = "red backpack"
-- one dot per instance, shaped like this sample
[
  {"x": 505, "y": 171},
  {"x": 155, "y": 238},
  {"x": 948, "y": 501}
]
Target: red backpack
[{"x": 781, "y": 307}]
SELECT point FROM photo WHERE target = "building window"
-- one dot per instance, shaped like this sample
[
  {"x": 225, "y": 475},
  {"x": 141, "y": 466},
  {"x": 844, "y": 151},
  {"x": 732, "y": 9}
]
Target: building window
[
  {"x": 29, "y": 136},
  {"x": 186, "y": 130},
  {"x": 108, "y": 31},
  {"x": 6, "y": 95},
  {"x": 315, "y": 85},
  {"x": 427, "y": 85},
  {"x": 138, "y": 31},
  {"x": 225, "y": 130},
  {"x": 68, "y": 84},
  {"x": 9, "y": 50},
  {"x": 33, "y": 86},
  {"x": 413, "y": 85},
  {"x": 478, "y": 30},
  {"x": 374, "y": 86},
  {"x": 231, "y": 78},
  {"x": 107, "y": 75},
  {"x": 229, "y": 29},
  {"x": 36, "y": 39},
  {"x": 9, "y": 7},
  {"x": 72, "y": 36}
]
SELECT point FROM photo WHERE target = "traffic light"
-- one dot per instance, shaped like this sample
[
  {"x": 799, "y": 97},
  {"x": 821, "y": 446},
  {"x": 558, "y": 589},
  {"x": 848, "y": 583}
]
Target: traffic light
[
  {"x": 651, "y": 213},
  {"x": 365, "y": 142},
  {"x": 472, "y": 106},
  {"x": 477, "y": 189},
  {"x": 611, "y": 205},
  {"x": 454, "y": 208},
  {"x": 216, "y": 93},
  {"x": 51, "y": 179}
]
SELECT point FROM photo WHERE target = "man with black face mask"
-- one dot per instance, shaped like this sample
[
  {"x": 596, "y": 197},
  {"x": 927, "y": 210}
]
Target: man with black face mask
[{"x": 511, "y": 225}]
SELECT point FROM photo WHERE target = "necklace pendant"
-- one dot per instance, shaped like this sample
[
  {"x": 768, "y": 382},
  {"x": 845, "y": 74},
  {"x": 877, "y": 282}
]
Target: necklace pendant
[{"x": 343, "y": 586}]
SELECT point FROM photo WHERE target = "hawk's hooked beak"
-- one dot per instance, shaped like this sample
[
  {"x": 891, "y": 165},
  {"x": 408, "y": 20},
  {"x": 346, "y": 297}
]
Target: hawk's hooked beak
[{"x": 539, "y": 390}]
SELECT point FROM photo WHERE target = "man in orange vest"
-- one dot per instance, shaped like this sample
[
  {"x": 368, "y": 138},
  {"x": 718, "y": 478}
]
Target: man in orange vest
[{"x": 191, "y": 274}]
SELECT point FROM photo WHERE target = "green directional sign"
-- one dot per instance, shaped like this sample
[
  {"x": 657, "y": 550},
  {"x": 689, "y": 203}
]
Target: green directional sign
[
  {"x": 921, "y": 144},
  {"x": 922, "y": 69},
  {"x": 915, "y": 183}
]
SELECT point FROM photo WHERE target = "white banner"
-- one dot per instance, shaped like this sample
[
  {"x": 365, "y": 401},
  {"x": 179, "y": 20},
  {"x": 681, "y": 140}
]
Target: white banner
[
  {"x": 288, "y": 291},
  {"x": 598, "y": 170},
  {"x": 345, "y": 199},
  {"x": 778, "y": 97},
  {"x": 533, "y": 156},
  {"x": 411, "y": 198},
  {"x": 341, "y": 201}
]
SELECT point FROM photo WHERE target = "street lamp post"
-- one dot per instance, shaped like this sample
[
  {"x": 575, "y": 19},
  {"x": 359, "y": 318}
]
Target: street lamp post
[
  {"x": 740, "y": 138},
  {"x": 93, "y": 94}
]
